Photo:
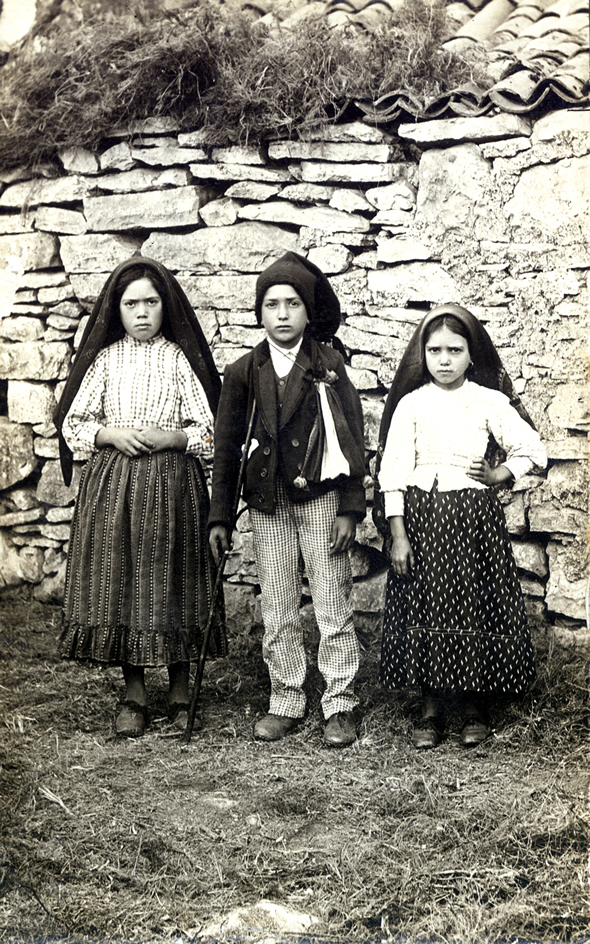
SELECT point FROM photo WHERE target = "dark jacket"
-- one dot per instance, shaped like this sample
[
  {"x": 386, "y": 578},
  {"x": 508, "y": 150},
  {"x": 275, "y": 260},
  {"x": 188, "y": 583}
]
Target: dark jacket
[{"x": 280, "y": 447}]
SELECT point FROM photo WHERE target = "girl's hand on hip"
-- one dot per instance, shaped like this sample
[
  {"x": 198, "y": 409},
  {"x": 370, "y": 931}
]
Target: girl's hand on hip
[
  {"x": 342, "y": 534},
  {"x": 128, "y": 441},
  {"x": 481, "y": 471}
]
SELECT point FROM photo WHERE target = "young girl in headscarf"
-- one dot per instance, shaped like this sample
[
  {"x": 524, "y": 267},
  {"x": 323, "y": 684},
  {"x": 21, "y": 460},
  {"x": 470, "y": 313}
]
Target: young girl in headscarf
[
  {"x": 454, "y": 613},
  {"x": 139, "y": 406},
  {"x": 303, "y": 487}
]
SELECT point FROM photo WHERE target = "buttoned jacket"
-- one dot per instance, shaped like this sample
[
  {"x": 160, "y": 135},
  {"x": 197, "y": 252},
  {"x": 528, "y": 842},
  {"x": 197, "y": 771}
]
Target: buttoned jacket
[{"x": 280, "y": 437}]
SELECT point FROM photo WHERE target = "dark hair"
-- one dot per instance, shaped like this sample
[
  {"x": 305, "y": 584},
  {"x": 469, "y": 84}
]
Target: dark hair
[
  {"x": 133, "y": 274},
  {"x": 447, "y": 321}
]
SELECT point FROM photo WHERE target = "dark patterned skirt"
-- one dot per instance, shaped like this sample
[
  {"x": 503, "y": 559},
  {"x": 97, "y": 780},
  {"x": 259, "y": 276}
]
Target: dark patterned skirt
[
  {"x": 140, "y": 573},
  {"x": 459, "y": 624}
]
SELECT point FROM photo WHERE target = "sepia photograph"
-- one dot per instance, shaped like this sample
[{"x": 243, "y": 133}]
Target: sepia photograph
[{"x": 294, "y": 483}]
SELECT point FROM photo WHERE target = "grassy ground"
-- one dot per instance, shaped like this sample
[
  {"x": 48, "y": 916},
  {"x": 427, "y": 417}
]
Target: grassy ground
[{"x": 138, "y": 841}]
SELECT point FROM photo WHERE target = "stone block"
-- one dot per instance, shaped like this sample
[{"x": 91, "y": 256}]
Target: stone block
[
  {"x": 30, "y": 402},
  {"x": 399, "y": 249},
  {"x": 17, "y": 459},
  {"x": 43, "y": 360},
  {"x": 245, "y": 247},
  {"x": 563, "y": 211},
  {"x": 59, "y": 514},
  {"x": 241, "y": 172},
  {"x": 78, "y": 160},
  {"x": 566, "y": 589},
  {"x": 141, "y": 179},
  {"x": 569, "y": 126},
  {"x": 363, "y": 379},
  {"x": 252, "y": 190},
  {"x": 46, "y": 448},
  {"x": 368, "y": 596},
  {"x": 239, "y": 155},
  {"x": 52, "y": 588},
  {"x": 117, "y": 157},
  {"x": 349, "y": 201},
  {"x": 97, "y": 253},
  {"x": 352, "y": 131},
  {"x": 322, "y": 218},
  {"x": 309, "y": 193},
  {"x": 86, "y": 286},
  {"x": 515, "y": 515},
  {"x": 31, "y": 563},
  {"x": 167, "y": 155},
  {"x": 574, "y": 447},
  {"x": 17, "y": 222},
  {"x": 531, "y": 556},
  {"x": 554, "y": 518},
  {"x": 447, "y": 131},
  {"x": 413, "y": 282},
  {"x": 322, "y": 172},
  {"x": 223, "y": 212},
  {"x": 20, "y": 517},
  {"x": 11, "y": 574},
  {"x": 389, "y": 196},
  {"x": 341, "y": 152},
  {"x": 240, "y": 606},
  {"x": 372, "y": 413},
  {"x": 20, "y": 328},
  {"x": 31, "y": 193},
  {"x": 59, "y": 220},
  {"x": 569, "y": 408},
  {"x": 331, "y": 259},
  {"x": 453, "y": 192},
  {"x": 37, "y": 250},
  {"x": 52, "y": 490},
  {"x": 154, "y": 209}
]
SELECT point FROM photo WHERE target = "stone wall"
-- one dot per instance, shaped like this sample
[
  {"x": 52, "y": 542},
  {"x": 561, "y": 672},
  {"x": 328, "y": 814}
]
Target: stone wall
[{"x": 491, "y": 213}]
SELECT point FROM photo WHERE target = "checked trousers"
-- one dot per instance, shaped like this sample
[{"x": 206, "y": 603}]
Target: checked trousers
[{"x": 295, "y": 531}]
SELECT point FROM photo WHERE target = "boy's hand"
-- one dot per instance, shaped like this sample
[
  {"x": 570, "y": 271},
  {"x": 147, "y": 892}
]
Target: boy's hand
[
  {"x": 218, "y": 541},
  {"x": 342, "y": 534}
]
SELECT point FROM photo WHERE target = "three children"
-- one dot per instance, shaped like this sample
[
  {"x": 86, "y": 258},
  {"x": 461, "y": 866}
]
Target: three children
[{"x": 139, "y": 571}]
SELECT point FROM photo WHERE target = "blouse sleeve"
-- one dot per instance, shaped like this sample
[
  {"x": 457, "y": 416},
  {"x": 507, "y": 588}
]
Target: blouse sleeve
[
  {"x": 521, "y": 443},
  {"x": 399, "y": 458},
  {"x": 86, "y": 414},
  {"x": 195, "y": 414}
]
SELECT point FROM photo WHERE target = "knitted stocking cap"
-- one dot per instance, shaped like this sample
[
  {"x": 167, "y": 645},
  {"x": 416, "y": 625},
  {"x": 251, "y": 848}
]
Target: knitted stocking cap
[{"x": 323, "y": 307}]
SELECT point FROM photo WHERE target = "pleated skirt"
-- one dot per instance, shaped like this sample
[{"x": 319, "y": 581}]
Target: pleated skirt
[
  {"x": 459, "y": 624},
  {"x": 140, "y": 573}
]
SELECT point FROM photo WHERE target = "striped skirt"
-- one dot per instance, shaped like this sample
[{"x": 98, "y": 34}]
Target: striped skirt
[
  {"x": 140, "y": 572},
  {"x": 459, "y": 624}
]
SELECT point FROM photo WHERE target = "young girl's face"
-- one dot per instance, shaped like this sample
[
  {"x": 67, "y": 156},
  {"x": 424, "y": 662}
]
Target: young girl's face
[
  {"x": 141, "y": 310},
  {"x": 447, "y": 358},
  {"x": 284, "y": 315}
]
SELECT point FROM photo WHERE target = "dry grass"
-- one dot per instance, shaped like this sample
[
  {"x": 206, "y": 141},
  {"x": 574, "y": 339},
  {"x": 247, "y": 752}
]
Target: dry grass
[
  {"x": 213, "y": 67},
  {"x": 145, "y": 841}
]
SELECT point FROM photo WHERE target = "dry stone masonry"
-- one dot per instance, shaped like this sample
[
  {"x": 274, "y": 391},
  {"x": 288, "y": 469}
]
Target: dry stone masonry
[{"x": 491, "y": 213}]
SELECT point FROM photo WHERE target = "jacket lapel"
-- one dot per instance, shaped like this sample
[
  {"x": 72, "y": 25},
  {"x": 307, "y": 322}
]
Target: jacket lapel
[
  {"x": 265, "y": 388},
  {"x": 297, "y": 386}
]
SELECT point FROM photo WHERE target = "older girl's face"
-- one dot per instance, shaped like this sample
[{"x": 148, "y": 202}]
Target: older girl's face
[
  {"x": 447, "y": 358},
  {"x": 141, "y": 310}
]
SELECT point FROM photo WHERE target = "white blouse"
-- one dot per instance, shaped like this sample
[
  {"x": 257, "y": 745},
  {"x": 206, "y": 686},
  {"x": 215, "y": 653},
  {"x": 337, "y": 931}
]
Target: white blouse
[
  {"x": 437, "y": 432},
  {"x": 136, "y": 384}
]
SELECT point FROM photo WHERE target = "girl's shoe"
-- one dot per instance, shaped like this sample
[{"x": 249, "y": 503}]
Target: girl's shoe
[
  {"x": 131, "y": 720},
  {"x": 178, "y": 715},
  {"x": 474, "y": 731},
  {"x": 427, "y": 733}
]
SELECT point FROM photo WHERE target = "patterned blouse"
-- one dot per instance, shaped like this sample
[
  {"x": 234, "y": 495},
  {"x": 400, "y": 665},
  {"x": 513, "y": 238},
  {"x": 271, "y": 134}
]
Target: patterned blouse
[
  {"x": 136, "y": 384},
  {"x": 438, "y": 432}
]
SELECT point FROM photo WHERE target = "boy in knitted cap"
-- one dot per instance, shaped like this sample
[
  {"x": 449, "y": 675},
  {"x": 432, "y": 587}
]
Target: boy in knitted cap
[{"x": 303, "y": 486}]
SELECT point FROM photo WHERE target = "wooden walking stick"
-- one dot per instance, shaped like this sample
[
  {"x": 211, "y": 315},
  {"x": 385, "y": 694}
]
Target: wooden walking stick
[{"x": 186, "y": 737}]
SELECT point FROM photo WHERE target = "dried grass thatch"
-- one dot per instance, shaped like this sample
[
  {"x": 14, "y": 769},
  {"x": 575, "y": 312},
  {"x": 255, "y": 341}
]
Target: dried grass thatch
[
  {"x": 216, "y": 68},
  {"x": 144, "y": 841}
]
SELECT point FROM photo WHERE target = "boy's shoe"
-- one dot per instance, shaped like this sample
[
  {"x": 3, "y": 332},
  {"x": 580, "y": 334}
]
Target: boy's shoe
[
  {"x": 131, "y": 720},
  {"x": 340, "y": 730},
  {"x": 427, "y": 734},
  {"x": 273, "y": 727}
]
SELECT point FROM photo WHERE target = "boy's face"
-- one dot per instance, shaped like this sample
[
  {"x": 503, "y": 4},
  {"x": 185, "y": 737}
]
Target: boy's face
[{"x": 284, "y": 315}]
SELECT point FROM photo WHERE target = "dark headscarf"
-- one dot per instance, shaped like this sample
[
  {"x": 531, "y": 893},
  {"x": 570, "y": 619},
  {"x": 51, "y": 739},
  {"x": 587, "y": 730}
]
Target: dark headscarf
[
  {"x": 180, "y": 324},
  {"x": 323, "y": 307},
  {"x": 486, "y": 369}
]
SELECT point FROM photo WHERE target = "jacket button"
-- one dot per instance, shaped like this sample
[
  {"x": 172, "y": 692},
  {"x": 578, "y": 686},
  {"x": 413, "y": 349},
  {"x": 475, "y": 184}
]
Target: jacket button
[
  {"x": 295, "y": 442},
  {"x": 266, "y": 450},
  {"x": 263, "y": 473}
]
